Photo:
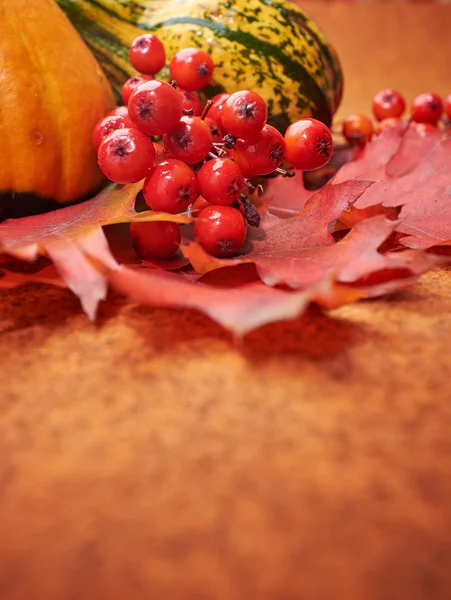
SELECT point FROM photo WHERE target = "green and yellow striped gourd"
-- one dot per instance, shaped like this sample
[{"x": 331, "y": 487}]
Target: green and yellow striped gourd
[{"x": 269, "y": 46}]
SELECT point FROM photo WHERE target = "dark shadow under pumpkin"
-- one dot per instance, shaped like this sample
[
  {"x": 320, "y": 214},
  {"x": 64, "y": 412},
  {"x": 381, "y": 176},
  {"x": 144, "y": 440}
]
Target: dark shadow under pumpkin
[{"x": 14, "y": 205}]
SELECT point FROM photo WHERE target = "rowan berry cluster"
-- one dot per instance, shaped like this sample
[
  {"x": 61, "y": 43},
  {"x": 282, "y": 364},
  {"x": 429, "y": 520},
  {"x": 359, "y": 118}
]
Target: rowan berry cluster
[
  {"x": 426, "y": 114},
  {"x": 195, "y": 158}
]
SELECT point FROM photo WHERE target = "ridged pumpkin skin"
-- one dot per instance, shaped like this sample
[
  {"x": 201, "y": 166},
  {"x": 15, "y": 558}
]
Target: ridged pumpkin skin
[
  {"x": 269, "y": 46},
  {"x": 52, "y": 92}
]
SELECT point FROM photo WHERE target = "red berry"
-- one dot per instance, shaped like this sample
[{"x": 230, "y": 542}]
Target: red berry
[
  {"x": 147, "y": 54},
  {"x": 155, "y": 240},
  {"x": 261, "y": 154},
  {"x": 308, "y": 144},
  {"x": 131, "y": 84},
  {"x": 216, "y": 132},
  {"x": 171, "y": 187},
  {"x": 155, "y": 107},
  {"x": 423, "y": 128},
  {"x": 216, "y": 109},
  {"x": 122, "y": 111},
  {"x": 387, "y": 104},
  {"x": 426, "y": 108},
  {"x": 448, "y": 107},
  {"x": 126, "y": 155},
  {"x": 106, "y": 126},
  {"x": 357, "y": 129},
  {"x": 244, "y": 114},
  {"x": 190, "y": 140},
  {"x": 221, "y": 181},
  {"x": 190, "y": 102},
  {"x": 387, "y": 123},
  {"x": 220, "y": 230},
  {"x": 191, "y": 68}
]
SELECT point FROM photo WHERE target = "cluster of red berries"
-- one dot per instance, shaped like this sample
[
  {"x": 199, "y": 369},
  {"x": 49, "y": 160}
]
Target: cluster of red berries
[
  {"x": 389, "y": 106},
  {"x": 197, "y": 158}
]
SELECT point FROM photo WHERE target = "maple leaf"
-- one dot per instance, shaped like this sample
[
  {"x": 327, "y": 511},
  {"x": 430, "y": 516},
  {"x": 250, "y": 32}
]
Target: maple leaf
[
  {"x": 424, "y": 194},
  {"x": 69, "y": 234}
]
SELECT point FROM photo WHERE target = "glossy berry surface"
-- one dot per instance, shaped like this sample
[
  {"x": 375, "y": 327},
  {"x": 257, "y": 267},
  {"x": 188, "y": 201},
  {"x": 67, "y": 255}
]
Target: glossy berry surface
[
  {"x": 244, "y": 114},
  {"x": 105, "y": 126},
  {"x": 261, "y": 154},
  {"x": 122, "y": 111},
  {"x": 171, "y": 187},
  {"x": 190, "y": 140},
  {"x": 308, "y": 144},
  {"x": 423, "y": 128},
  {"x": 126, "y": 155},
  {"x": 426, "y": 108},
  {"x": 131, "y": 84},
  {"x": 155, "y": 107},
  {"x": 221, "y": 181},
  {"x": 155, "y": 240},
  {"x": 191, "y": 68},
  {"x": 215, "y": 111},
  {"x": 220, "y": 230},
  {"x": 388, "y": 104},
  {"x": 357, "y": 129},
  {"x": 190, "y": 102},
  {"x": 147, "y": 54}
]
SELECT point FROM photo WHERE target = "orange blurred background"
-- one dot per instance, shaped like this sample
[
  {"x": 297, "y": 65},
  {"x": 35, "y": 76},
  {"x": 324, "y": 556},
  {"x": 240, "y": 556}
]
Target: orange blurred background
[{"x": 404, "y": 45}]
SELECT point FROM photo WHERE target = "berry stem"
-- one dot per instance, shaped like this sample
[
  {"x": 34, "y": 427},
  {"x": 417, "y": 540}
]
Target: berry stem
[{"x": 206, "y": 109}]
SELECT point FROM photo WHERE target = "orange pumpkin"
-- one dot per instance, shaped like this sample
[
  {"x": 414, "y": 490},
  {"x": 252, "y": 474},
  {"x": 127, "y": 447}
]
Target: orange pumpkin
[{"x": 52, "y": 92}]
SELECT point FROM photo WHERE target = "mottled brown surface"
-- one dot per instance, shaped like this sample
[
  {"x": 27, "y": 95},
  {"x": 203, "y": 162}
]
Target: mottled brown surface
[{"x": 148, "y": 457}]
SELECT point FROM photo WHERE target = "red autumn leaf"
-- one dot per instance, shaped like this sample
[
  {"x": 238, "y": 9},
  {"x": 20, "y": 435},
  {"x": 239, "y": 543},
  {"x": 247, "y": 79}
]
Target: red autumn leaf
[
  {"x": 413, "y": 148},
  {"x": 281, "y": 248},
  {"x": 355, "y": 259},
  {"x": 71, "y": 233},
  {"x": 238, "y": 300},
  {"x": 239, "y": 304},
  {"x": 395, "y": 153},
  {"x": 286, "y": 196},
  {"x": 425, "y": 197},
  {"x": 371, "y": 164}
]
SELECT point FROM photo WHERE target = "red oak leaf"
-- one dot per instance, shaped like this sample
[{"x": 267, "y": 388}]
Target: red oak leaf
[
  {"x": 280, "y": 248},
  {"x": 425, "y": 196},
  {"x": 413, "y": 148},
  {"x": 238, "y": 300},
  {"x": 286, "y": 196},
  {"x": 239, "y": 304},
  {"x": 372, "y": 162},
  {"x": 71, "y": 233}
]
